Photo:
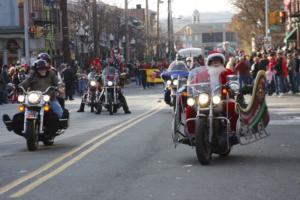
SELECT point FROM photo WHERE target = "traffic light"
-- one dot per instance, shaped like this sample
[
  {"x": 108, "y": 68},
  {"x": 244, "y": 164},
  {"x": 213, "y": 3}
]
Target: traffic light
[
  {"x": 282, "y": 15},
  {"x": 274, "y": 18}
]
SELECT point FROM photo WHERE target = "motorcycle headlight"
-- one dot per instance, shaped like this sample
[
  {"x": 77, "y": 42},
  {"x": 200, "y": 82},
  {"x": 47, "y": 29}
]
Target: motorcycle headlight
[
  {"x": 33, "y": 98},
  {"x": 216, "y": 99},
  {"x": 175, "y": 82},
  {"x": 93, "y": 83},
  {"x": 109, "y": 83},
  {"x": 46, "y": 98},
  {"x": 190, "y": 101},
  {"x": 203, "y": 99},
  {"x": 21, "y": 98},
  {"x": 169, "y": 82}
]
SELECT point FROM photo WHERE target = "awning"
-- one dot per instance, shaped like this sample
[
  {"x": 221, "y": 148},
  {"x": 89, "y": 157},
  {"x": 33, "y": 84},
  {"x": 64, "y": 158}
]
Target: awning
[{"x": 291, "y": 36}]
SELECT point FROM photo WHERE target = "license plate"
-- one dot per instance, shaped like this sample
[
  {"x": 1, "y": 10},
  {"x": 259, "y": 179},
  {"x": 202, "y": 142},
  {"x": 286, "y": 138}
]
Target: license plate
[{"x": 30, "y": 114}]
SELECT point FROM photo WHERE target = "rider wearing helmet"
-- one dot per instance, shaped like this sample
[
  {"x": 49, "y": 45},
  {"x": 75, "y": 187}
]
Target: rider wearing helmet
[
  {"x": 189, "y": 62},
  {"x": 61, "y": 88}
]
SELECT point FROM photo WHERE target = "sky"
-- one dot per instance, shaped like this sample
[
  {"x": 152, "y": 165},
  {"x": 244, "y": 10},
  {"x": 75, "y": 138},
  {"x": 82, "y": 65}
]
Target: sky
[{"x": 180, "y": 7}]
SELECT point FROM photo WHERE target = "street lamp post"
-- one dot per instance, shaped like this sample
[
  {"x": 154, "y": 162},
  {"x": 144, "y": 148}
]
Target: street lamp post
[
  {"x": 81, "y": 35},
  {"x": 124, "y": 49},
  {"x": 158, "y": 33},
  {"x": 132, "y": 44},
  {"x": 111, "y": 39}
]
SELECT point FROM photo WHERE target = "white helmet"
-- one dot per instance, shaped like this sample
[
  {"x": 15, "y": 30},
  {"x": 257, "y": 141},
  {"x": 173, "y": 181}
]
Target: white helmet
[{"x": 213, "y": 56}]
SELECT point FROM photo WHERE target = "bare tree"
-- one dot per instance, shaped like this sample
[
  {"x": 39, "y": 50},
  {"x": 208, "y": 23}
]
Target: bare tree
[{"x": 250, "y": 21}]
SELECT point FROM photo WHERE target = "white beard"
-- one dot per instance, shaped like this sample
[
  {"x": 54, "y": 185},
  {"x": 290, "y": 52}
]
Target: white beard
[{"x": 215, "y": 73}]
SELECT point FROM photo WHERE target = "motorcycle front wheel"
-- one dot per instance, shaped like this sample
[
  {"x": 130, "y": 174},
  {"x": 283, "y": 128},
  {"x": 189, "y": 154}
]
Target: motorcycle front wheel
[
  {"x": 31, "y": 135},
  {"x": 110, "y": 104},
  {"x": 203, "y": 147}
]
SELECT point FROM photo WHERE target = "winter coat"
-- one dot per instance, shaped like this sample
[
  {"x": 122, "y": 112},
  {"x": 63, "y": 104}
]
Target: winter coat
[
  {"x": 35, "y": 82},
  {"x": 243, "y": 68}
]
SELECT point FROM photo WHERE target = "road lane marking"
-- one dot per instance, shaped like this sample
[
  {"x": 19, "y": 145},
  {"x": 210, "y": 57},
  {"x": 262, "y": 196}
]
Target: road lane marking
[
  {"x": 50, "y": 164},
  {"x": 77, "y": 158}
]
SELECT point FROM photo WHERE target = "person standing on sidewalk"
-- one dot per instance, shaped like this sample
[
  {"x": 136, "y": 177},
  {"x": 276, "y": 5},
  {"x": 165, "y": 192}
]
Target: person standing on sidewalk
[{"x": 69, "y": 80}]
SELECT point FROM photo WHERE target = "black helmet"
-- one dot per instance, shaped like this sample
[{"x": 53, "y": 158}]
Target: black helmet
[
  {"x": 40, "y": 64},
  {"x": 44, "y": 56}
]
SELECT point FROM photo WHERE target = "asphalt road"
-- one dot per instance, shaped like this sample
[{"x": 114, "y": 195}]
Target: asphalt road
[{"x": 124, "y": 157}]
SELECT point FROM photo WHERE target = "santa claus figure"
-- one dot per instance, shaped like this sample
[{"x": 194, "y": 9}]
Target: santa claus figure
[{"x": 218, "y": 75}]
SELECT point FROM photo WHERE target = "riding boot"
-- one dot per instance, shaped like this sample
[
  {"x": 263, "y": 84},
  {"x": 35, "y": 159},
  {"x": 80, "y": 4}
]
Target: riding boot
[
  {"x": 92, "y": 108},
  {"x": 8, "y": 122},
  {"x": 81, "y": 108}
]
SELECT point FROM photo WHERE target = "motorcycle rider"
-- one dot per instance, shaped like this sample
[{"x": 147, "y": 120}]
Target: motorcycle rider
[
  {"x": 121, "y": 96},
  {"x": 218, "y": 75},
  {"x": 93, "y": 75},
  {"x": 61, "y": 88},
  {"x": 39, "y": 80},
  {"x": 189, "y": 62}
]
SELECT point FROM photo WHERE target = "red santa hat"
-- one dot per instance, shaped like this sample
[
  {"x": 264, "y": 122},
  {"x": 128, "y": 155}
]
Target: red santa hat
[{"x": 215, "y": 54}]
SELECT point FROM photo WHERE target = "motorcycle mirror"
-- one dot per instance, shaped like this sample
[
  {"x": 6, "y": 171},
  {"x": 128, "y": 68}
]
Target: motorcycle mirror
[{"x": 234, "y": 86}]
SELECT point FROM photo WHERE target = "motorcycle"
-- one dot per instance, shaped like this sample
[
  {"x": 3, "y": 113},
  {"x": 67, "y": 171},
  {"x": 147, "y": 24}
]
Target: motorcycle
[
  {"x": 209, "y": 118},
  {"x": 174, "y": 78},
  {"x": 35, "y": 113},
  {"x": 110, "y": 94},
  {"x": 92, "y": 96}
]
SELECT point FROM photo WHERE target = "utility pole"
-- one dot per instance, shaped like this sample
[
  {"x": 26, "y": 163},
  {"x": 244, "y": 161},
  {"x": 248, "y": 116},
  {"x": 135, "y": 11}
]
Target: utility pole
[
  {"x": 95, "y": 29},
  {"x": 157, "y": 27},
  {"x": 65, "y": 31},
  {"x": 26, "y": 28},
  {"x": 147, "y": 28},
  {"x": 170, "y": 30},
  {"x": 267, "y": 18},
  {"x": 126, "y": 33}
]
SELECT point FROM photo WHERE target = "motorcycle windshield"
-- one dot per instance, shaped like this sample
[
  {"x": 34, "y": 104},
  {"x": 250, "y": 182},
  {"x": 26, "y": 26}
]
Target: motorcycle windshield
[
  {"x": 178, "y": 66},
  {"x": 109, "y": 74},
  {"x": 198, "y": 81}
]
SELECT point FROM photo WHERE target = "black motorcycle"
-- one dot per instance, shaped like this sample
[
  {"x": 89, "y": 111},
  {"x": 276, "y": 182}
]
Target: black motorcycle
[
  {"x": 111, "y": 97},
  {"x": 39, "y": 122}
]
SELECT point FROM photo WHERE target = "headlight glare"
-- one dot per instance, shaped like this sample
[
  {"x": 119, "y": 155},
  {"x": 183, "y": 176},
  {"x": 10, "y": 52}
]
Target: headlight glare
[
  {"x": 33, "y": 98},
  {"x": 21, "y": 98},
  {"x": 169, "y": 82},
  {"x": 191, "y": 101},
  {"x": 175, "y": 82},
  {"x": 46, "y": 98},
  {"x": 203, "y": 99},
  {"x": 93, "y": 83},
  {"x": 216, "y": 99},
  {"x": 109, "y": 83}
]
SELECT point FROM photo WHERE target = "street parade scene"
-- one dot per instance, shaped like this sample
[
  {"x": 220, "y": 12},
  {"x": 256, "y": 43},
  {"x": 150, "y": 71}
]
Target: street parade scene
[{"x": 150, "y": 99}]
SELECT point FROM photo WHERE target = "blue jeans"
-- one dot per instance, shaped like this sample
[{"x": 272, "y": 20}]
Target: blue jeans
[
  {"x": 138, "y": 79},
  {"x": 81, "y": 86},
  {"x": 56, "y": 108},
  {"x": 278, "y": 84},
  {"x": 244, "y": 80},
  {"x": 296, "y": 81}
]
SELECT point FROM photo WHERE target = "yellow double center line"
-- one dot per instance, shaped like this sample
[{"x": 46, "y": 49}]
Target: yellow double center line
[{"x": 104, "y": 137}]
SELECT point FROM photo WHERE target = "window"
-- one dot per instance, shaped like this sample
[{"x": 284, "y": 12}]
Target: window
[
  {"x": 212, "y": 37},
  {"x": 230, "y": 37}
]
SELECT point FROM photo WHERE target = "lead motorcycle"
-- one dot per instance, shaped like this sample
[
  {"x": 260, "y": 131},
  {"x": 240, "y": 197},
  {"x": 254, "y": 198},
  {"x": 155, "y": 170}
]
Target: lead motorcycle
[
  {"x": 218, "y": 121},
  {"x": 35, "y": 114}
]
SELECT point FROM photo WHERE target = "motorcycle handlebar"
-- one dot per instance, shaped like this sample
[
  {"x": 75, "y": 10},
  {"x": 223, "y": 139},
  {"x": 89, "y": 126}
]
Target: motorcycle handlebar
[{"x": 45, "y": 92}]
